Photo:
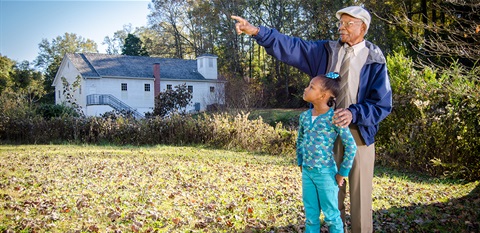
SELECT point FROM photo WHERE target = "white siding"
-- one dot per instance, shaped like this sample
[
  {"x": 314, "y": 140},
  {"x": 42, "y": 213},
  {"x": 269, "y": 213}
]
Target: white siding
[
  {"x": 135, "y": 96},
  {"x": 201, "y": 92},
  {"x": 70, "y": 73},
  {"x": 207, "y": 66}
]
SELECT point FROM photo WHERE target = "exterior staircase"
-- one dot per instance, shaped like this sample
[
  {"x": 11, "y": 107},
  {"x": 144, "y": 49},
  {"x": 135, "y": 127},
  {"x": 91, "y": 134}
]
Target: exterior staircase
[{"x": 112, "y": 101}]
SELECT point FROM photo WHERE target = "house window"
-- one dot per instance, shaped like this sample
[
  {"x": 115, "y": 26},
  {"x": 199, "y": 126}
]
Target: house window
[
  {"x": 190, "y": 89},
  {"x": 201, "y": 63},
  {"x": 80, "y": 90},
  {"x": 210, "y": 62},
  {"x": 147, "y": 87},
  {"x": 169, "y": 86},
  {"x": 212, "y": 89},
  {"x": 124, "y": 86}
]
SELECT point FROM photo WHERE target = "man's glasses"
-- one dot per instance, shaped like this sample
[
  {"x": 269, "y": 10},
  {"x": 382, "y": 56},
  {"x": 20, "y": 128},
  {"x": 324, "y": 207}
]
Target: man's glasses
[{"x": 347, "y": 24}]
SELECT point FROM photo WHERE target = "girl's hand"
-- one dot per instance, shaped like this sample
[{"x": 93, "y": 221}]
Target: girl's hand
[{"x": 340, "y": 179}]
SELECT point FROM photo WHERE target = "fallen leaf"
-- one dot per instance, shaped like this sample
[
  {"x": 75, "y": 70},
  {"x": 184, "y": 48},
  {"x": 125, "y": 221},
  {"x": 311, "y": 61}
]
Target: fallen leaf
[
  {"x": 93, "y": 228},
  {"x": 176, "y": 221},
  {"x": 114, "y": 215}
]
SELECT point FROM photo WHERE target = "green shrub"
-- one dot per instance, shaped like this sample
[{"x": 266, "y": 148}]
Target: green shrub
[
  {"x": 170, "y": 101},
  {"x": 55, "y": 110},
  {"x": 434, "y": 123}
]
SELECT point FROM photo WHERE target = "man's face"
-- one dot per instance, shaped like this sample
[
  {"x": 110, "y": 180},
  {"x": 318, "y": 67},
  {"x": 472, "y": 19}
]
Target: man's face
[{"x": 352, "y": 30}]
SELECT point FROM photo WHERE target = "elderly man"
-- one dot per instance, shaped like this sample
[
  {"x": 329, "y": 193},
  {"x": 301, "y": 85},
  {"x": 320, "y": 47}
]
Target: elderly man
[{"x": 366, "y": 97}]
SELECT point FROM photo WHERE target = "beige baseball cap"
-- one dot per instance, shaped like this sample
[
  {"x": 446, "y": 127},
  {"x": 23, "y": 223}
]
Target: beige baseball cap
[{"x": 357, "y": 12}]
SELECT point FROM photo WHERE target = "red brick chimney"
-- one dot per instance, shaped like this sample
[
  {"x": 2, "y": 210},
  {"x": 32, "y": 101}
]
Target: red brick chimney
[{"x": 156, "y": 82}]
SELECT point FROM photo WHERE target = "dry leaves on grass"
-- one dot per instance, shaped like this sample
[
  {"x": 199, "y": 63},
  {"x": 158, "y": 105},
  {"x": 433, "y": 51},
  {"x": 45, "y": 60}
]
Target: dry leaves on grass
[
  {"x": 100, "y": 189},
  {"x": 179, "y": 189}
]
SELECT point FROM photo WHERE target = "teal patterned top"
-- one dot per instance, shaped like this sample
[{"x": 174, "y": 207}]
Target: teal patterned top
[{"x": 316, "y": 139}]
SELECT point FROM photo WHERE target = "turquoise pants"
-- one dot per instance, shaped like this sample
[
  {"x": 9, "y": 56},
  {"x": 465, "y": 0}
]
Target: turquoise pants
[{"x": 320, "y": 193}]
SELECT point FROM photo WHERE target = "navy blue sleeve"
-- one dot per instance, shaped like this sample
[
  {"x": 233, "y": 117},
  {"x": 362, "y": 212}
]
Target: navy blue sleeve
[
  {"x": 308, "y": 56},
  {"x": 375, "y": 99}
]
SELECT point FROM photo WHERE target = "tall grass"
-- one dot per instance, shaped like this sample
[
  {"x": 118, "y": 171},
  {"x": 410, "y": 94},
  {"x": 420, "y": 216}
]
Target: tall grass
[{"x": 217, "y": 130}]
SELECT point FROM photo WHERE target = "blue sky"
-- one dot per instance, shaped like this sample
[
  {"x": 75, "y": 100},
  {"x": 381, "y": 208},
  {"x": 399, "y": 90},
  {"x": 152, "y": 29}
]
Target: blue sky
[{"x": 23, "y": 24}]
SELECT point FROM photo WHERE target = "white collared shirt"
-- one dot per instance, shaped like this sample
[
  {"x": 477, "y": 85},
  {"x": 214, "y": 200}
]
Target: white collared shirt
[{"x": 357, "y": 61}]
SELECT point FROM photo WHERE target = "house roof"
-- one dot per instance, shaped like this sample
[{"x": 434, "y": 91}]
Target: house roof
[{"x": 96, "y": 65}]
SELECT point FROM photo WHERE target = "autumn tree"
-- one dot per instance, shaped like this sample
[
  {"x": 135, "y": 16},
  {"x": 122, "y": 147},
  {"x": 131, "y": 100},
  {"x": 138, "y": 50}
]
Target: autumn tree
[
  {"x": 6, "y": 65},
  {"x": 115, "y": 43},
  {"x": 21, "y": 87},
  {"x": 441, "y": 31},
  {"x": 27, "y": 82},
  {"x": 20, "y": 78},
  {"x": 168, "y": 17},
  {"x": 52, "y": 53},
  {"x": 279, "y": 82},
  {"x": 152, "y": 41}
]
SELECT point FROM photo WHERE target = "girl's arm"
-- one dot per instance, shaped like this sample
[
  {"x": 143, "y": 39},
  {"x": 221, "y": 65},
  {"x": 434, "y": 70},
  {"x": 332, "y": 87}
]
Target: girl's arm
[{"x": 350, "y": 149}]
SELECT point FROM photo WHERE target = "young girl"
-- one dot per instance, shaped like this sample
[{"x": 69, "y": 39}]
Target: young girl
[{"x": 316, "y": 137}]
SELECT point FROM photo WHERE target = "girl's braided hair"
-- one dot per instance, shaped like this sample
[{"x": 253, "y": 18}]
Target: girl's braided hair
[{"x": 331, "y": 81}]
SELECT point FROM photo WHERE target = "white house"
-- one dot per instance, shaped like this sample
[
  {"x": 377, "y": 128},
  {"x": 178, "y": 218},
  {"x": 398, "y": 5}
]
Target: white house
[{"x": 108, "y": 82}]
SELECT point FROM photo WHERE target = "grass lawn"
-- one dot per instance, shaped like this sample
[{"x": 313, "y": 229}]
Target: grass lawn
[{"x": 70, "y": 188}]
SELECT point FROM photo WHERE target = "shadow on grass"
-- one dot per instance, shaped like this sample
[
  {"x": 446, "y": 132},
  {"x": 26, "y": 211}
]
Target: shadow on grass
[
  {"x": 460, "y": 215},
  {"x": 456, "y": 215},
  {"x": 413, "y": 176}
]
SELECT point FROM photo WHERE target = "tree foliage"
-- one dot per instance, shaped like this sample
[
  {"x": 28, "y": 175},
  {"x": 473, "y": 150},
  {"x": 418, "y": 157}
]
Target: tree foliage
[
  {"x": 133, "y": 46},
  {"x": 61, "y": 45},
  {"x": 173, "y": 100},
  {"x": 52, "y": 53},
  {"x": 435, "y": 122},
  {"x": 168, "y": 17},
  {"x": 20, "y": 86},
  {"x": 116, "y": 42},
  {"x": 27, "y": 82},
  {"x": 440, "y": 32},
  {"x": 5, "y": 69},
  {"x": 49, "y": 111}
]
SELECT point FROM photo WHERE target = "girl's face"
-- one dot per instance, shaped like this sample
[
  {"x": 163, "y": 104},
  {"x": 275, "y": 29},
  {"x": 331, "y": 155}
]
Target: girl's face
[{"x": 313, "y": 91}]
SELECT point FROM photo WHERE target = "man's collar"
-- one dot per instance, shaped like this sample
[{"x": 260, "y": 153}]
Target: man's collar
[{"x": 357, "y": 47}]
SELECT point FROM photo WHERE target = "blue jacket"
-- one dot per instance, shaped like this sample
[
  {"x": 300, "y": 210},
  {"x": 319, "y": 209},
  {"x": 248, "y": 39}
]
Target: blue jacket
[{"x": 320, "y": 57}]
